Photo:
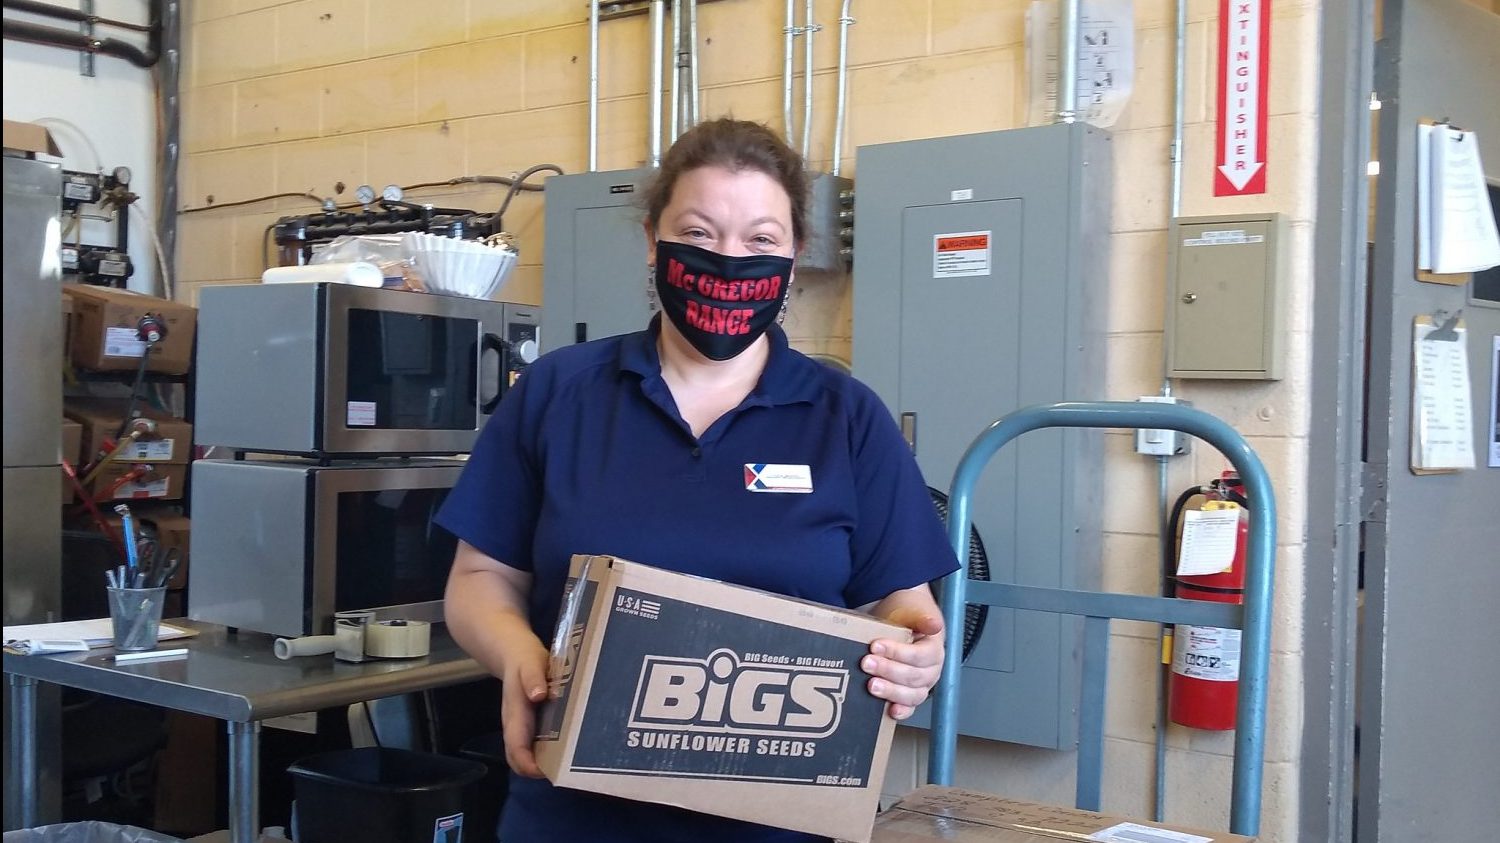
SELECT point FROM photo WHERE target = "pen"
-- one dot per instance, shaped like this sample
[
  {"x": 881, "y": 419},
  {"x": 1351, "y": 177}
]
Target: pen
[
  {"x": 127, "y": 523},
  {"x": 150, "y": 654}
]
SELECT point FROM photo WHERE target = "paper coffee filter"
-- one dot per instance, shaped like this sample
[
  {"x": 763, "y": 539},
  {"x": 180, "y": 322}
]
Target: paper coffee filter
[{"x": 460, "y": 267}]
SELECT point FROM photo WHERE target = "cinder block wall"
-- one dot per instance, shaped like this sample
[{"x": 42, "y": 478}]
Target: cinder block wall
[{"x": 323, "y": 95}]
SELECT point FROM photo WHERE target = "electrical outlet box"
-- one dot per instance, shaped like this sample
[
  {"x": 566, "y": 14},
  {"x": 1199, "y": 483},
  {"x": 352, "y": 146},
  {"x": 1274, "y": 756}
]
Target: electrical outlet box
[
  {"x": 1225, "y": 317},
  {"x": 1159, "y": 442}
]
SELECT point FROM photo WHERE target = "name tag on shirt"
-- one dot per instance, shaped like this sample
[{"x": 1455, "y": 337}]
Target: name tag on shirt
[{"x": 768, "y": 477}]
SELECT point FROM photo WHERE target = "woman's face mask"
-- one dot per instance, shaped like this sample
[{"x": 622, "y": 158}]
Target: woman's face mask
[{"x": 720, "y": 304}]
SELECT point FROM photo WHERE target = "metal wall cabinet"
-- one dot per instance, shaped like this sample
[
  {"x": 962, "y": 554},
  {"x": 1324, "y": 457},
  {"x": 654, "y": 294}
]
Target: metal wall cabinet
[{"x": 979, "y": 288}]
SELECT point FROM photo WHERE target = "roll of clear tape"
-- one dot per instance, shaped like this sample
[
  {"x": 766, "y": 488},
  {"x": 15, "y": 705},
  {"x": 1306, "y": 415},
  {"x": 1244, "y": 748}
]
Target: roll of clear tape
[
  {"x": 311, "y": 645},
  {"x": 398, "y": 639}
]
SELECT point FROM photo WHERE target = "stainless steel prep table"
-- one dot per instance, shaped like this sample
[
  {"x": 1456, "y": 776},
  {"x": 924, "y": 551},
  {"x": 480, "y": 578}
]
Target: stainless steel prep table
[{"x": 233, "y": 677}]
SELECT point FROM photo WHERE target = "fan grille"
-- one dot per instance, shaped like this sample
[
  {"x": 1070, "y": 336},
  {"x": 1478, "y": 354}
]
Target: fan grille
[{"x": 979, "y": 569}]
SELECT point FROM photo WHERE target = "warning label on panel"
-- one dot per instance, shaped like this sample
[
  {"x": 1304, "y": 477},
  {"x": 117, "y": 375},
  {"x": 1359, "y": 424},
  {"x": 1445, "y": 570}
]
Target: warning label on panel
[{"x": 961, "y": 254}]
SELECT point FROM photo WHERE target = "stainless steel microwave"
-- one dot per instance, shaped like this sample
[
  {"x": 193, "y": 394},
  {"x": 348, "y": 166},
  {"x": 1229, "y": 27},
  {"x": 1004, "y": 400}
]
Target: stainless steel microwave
[
  {"x": 337, "y": 371},
  {"x": 280, "y": 545}
]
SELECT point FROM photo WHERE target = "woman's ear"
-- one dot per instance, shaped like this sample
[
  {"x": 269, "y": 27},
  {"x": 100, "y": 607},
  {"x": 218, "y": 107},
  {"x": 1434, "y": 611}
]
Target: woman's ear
[{"x": 650, "y": 244}]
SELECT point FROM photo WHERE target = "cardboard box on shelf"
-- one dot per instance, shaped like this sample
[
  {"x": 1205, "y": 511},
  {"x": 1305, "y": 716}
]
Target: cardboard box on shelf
[
  {"x": 72, "y": 446},
  {"x": 953, "y": 815},
  {"x": 171, "y": 441},
  {"x": 29, "y": 137},
  {"x": 103, "y": 337},
  {"x": 717, "y": 698},
  {"x": 158, "y": 482}
]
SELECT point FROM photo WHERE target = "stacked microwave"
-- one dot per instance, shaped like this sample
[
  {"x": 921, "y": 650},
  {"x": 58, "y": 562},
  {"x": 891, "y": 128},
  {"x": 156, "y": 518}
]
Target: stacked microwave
[{"x": 364, "y": 396}]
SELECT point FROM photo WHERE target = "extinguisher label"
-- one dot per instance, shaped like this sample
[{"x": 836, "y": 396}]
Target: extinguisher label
[{"x": 1206, "y": 652}]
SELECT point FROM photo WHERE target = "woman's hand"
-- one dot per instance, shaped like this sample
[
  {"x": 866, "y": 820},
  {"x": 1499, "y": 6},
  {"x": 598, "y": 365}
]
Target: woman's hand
[
  {"x": 902, "y": 673},
  {"x": 522, "y": 686}
]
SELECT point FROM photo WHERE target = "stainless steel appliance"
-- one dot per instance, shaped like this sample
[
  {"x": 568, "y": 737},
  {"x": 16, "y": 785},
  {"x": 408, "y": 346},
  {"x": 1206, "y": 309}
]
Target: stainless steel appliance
[
  {"x": 338, "y": 371},
  {"x": 279, "y": 546},
  {"x": 33, "y": 339}
]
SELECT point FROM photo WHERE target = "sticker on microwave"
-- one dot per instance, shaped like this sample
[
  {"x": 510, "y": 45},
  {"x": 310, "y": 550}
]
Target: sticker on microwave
[{"x": 360, "y": 414}]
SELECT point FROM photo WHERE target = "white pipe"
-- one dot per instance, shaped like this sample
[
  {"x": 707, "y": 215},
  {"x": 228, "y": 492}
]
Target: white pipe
[
  {"x": 808, "y": 28},
  {"x": 1067, "y": 62},
  {"x": 786, "y": 74},
  {"x": 838, "y": 120},
  {"x": 694, "y": 116},
  {"x": 675, "y": 124},
  {"x": 658, "y": 10},
  {"x": 593, "y": 85}
]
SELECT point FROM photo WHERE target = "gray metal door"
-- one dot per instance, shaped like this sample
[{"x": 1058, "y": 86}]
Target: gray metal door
[{"x": 1430, "y": 676}]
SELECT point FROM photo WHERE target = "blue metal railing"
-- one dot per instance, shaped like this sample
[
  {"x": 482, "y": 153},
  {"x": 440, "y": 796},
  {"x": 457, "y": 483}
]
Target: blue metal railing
[{"x": 1098, "y": 608}]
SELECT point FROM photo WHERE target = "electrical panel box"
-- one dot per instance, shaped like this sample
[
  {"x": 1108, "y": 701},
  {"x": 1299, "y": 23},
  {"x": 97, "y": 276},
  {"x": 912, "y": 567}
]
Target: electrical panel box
[
  {"x": 980, "y": 276},
  {"x": 1226, "y": 318},
  {"x": 594, "y": 276}
]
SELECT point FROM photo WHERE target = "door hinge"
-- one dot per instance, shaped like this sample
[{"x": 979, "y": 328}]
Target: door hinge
[{"x": 1372, "y": 492}]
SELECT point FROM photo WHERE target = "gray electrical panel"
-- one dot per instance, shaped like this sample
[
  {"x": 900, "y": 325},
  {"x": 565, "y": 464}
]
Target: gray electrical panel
[
  {"x": 594, "y": 260},
  {"x": 979, "y": 288},
  {"x": 594, "y": 276}
]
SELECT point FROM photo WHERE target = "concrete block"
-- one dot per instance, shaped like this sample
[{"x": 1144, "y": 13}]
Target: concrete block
[
  {"x": 320, "y": 166},
  {"x": 318, "y": 33},
  {"x": 230, "y": 49},
  {"x": 426, "y": 153},
  {"x": 208, "y": 117},
  {"x": 959, "y": 25},
  {"x": 210, "y": 178},
  {"x": 371, "y": 94},
  {"x": 408, "y": 27},
  {"x": 1137, "y": 281},
  {"x": 933, "y": 97},
  {"x": 276, "y": 108},
  {"x": 449, "y": 86},
  {"x": 512, "y": 17},
  {"x": 557, "y": 67}
]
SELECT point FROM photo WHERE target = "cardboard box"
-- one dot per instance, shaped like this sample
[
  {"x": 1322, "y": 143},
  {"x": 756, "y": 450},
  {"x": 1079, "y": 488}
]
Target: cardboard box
[
  {"x": 104, "y": 330},
  {"x": 171, "y": 442},
  {"x": 716, "y": 698},
  {"x": 952, "y": 815},
  {"x": 29, "y": 137},
  {"x": 161, "y": 482},
  {"x": 72, "y": 446}
]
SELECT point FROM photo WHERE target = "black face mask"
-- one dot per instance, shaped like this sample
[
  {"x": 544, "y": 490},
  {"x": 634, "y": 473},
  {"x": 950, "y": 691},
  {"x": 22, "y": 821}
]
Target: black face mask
[{"x": 721, "y": 304}]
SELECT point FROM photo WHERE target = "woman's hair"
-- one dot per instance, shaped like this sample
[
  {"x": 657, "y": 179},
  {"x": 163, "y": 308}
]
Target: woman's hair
[{"x": 734, "y": 145}]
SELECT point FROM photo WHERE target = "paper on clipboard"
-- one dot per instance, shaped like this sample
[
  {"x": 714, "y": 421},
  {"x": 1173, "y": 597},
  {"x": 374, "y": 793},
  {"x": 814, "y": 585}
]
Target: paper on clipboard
[
  {"x": 1455, "y": 225},
  {"x": 1442, "y": 418}
]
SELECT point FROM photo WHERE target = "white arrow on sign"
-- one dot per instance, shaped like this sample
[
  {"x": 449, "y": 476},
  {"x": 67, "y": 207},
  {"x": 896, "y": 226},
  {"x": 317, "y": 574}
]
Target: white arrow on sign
[{"x": 1240, "y": 156}]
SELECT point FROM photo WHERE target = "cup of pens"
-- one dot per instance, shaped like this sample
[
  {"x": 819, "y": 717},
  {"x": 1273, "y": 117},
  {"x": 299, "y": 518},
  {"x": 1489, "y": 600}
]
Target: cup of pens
[
  {"x": 135, "y": 614},
  {"x": 137, "y": 589}
]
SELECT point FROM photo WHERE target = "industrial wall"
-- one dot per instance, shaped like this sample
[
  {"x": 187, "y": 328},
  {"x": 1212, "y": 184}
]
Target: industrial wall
[{"x": 323, "y": 95}]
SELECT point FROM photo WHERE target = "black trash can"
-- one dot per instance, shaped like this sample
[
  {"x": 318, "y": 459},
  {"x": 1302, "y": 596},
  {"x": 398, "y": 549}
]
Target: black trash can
[
  {"x": 484, "y": 820},
  {"x": 379, "y": 795}
]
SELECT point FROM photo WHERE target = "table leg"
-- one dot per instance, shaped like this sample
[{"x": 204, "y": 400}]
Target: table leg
[
  {"x": 20, "y": 766},
  {"x": 244, "y": 782}
]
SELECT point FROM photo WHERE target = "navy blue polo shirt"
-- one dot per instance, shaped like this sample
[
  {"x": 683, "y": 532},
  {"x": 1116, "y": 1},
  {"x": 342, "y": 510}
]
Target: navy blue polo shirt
[{"x": 589, "y": 454}]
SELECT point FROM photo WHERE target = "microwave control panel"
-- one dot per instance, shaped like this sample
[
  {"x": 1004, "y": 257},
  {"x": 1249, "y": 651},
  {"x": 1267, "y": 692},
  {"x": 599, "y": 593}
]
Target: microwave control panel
[{"x": 522, "y": 335}]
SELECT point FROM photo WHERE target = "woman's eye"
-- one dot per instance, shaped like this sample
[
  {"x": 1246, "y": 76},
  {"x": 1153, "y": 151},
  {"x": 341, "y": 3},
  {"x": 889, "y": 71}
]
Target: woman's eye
[
  {"x": 696, "y": 233},
  {"x": 764, "y": 240}
]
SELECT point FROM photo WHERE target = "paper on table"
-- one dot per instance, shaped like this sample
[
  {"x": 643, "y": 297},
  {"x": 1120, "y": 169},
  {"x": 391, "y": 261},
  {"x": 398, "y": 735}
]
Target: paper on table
[
  {"x": 358, "y": 273},
  {"x": 1137, "y": 833},
  {"x": 98, "y": 632},
  {"x": 1464, "y": 238},
  {"x": 1442, "y": 420},
  {"x": 1208, "y": 541}
]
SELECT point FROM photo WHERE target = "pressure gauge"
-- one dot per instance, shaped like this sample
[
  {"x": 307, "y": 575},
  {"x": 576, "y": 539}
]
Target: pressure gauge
[
  {"x": 392, "y": 193},
  {"x": 365, "y": 194},
  {"x": 122, "y": 175}
]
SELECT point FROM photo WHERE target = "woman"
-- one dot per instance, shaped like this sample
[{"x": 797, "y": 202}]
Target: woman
[{"x": 638, "y": 446}]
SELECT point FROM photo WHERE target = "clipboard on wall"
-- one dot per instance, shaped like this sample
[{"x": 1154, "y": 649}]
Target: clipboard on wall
[
  {"x": 1455, "y": 226},
  {"x": 1442, "y": 415}
]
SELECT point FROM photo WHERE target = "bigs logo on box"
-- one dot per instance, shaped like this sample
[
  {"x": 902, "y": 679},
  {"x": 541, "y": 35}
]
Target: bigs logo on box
[{"x": 720, "y": 694}]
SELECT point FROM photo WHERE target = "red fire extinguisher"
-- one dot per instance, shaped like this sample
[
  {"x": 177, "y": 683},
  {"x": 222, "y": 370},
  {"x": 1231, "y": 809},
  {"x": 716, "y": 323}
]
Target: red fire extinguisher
[{"x": 1206, "y": 660}]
